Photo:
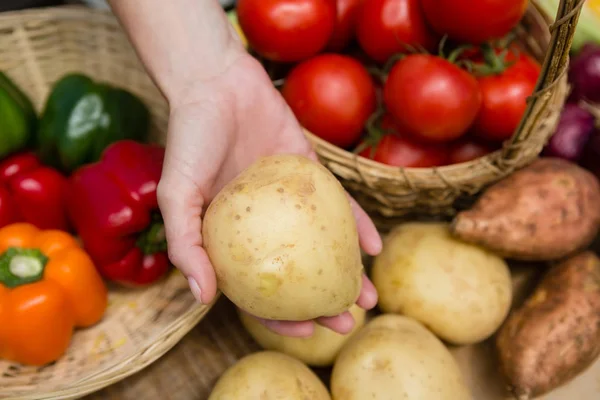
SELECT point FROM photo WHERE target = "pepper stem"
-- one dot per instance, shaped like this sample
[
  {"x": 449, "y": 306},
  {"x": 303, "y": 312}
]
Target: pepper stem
[
  {"x": 153, "y": 239},
  {"x": 21, "y": 266}
]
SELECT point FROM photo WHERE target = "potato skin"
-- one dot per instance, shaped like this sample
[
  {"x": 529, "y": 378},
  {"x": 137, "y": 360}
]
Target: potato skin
[
  {"x": 269, "y": 375},
  {"x": 460, "y": 291},
  {"x": 283, "y": 241},
  {"x": 395, "y": 357},
  {"x": 555, "y": 335},
  {"x": 545, "y": 211},
  {"x": 319, "y": 350}
]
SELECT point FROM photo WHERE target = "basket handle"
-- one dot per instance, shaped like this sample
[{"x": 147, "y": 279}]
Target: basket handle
[{"x": 556, "y": 63}]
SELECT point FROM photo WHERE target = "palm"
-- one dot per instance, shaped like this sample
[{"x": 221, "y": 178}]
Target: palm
[
  {"x": 249, "y": 120},
  {"x": 246, "y": 120}
]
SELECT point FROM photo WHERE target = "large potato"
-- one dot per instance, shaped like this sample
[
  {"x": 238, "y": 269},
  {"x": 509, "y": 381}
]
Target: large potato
[
  {"x": 319, "y": 350},
  {"x": 555, "y": 335},
  {"x": 395, "y": 357},
  {"x": 458, "y": 290},
  {"x": 283, "y": 241},
  {"x": 269, "y": 375},
  {"x": 546, "y": 211}
]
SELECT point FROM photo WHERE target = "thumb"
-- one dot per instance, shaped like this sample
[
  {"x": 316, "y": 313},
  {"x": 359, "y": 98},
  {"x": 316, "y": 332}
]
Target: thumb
[{"x": 180, "y": 204}]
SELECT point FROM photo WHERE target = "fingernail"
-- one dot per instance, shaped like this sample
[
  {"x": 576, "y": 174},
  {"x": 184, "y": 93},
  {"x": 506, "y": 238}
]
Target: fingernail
[{"x": 195, "y": 288}]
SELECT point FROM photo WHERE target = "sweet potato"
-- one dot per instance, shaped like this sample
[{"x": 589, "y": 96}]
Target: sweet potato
[
  {"x": 545, "y": 211},
  {"x": 555, "y": 335}
]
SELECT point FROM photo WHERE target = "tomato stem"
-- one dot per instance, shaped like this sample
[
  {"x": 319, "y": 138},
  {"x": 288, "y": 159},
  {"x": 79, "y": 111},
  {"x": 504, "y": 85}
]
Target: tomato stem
[
  {"x": 495, "y": 63},
  {"x": 20, "y": 266}
]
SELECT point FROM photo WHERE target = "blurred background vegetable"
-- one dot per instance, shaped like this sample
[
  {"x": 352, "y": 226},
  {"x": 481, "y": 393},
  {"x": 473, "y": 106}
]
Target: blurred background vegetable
[
  {"x": 82, "y": 117},
  {"x": 17, "y": 117},
  {"x": 584, "y": 73},
  {"x": 588, "y": 27}
]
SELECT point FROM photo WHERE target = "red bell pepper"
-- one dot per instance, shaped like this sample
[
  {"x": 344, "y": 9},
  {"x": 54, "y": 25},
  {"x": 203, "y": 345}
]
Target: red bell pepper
[
  {"x": 112, "y": 204},
  {"x": 33, "y": 193}
]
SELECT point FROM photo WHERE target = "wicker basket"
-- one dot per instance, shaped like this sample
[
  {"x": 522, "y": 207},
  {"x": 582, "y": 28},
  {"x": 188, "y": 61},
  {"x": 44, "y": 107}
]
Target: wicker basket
[
  {"x": 390, "y": 192},
  {"x": 36, "y": 48}
]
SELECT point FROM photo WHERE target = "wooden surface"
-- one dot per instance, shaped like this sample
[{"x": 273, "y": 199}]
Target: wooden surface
[{"x": 190, "y": 369}]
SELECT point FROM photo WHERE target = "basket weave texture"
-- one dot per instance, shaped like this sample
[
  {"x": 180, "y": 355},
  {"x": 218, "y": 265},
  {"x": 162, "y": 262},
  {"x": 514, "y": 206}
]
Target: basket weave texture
[
  {"x": 392, "y": 192},
  {"x": 36, "y": 48}
]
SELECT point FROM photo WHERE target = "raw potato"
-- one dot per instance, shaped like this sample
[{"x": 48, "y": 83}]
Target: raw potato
[
  {"x": 546, "y": 211},
  {"x": 396, "y": 358},
  {"x": 319, "y": 350},
  {"x": 458, "y": 290},
  {"x": 555, "y": 335},
  {"x": 269, "y": 375},
  {"x": 283, "y": 241}
]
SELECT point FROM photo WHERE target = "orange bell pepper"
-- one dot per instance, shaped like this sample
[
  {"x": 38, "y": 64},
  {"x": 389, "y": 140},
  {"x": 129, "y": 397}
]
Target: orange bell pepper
[{"x": 48, "y": 287}]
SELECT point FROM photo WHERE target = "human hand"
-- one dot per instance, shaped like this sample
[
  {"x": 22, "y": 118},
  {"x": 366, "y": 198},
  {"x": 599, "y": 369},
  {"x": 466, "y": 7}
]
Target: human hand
[{"x": 217, "y": 128}]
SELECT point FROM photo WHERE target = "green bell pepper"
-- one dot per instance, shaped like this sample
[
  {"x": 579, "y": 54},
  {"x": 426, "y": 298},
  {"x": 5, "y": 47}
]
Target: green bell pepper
[
  {"x": 83, "y": 117},
  {"x": 17, "y": 118}
]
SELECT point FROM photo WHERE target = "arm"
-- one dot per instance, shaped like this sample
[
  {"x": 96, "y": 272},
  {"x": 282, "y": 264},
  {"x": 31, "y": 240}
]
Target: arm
[{"x": 180, "y": 41}]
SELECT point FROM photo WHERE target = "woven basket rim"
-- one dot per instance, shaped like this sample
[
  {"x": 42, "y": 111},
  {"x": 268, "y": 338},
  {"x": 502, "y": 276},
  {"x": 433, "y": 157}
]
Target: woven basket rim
[{"x": 171, "y": 334}]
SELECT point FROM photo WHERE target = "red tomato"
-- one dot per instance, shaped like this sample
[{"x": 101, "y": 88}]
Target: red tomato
[
  {"x": 467, "y": 150},
  {"x": 431, "y": 97},
  {"x": 400, "y": 150},
  {"x": 474, "y": 21},
  {"x": 505, "y": 98},
  {"x": 332, "y": 96},
  {"x": 386, "y": 27},
  {"x": 287, "y": 30},
  {"x": 347, "y": 14}
]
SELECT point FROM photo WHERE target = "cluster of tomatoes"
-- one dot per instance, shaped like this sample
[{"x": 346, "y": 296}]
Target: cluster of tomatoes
[{"x": 408, "y": 83}]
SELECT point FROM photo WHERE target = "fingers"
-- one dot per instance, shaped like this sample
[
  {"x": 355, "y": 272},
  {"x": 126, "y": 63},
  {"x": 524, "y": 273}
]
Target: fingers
[
  {"x": 370, "y": 241},
  {"x": 298, "y": 329},
  {"x": 181, "y": 206},
  {"x": 342, "y": 323},
  {"x": 368, "y": 294}
]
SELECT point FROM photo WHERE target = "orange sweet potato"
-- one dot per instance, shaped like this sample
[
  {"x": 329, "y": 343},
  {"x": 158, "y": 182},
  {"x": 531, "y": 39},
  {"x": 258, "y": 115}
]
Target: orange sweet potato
[
  {"x": 545, "y": 211},
  {"x": 555, "y": 335}
]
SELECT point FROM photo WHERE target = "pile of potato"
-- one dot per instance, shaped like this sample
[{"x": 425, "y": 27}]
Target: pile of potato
[{"x": 284, "y": 244}]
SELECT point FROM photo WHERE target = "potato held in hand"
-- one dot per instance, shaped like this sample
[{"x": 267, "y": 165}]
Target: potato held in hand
[
  {"x": 555, "y": 335},
  {"x": 269, "y": 375},
  {"x": 395, "y": 357},
  {"x": 319, "y": 350},
  {"x": 283, "y": 241},
  {"x": 459, "y": 290},
  {"x": 545, "y": 211}
]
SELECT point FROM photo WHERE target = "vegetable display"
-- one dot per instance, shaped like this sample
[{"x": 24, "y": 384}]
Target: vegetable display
[
  {"x": 545, "y": 211},
  {"x": 474, "y": 21},
  {"x": 387, "y": 27},
  {"x": 269, "y": 375},
  {"x": 395, "y": 356},
  {"x": 332, "y": 96},
  {"x": 318, "y": 350},
  {"x": 461, "y": 292},
  {"x": 304, "y": 31},
  {"x": 48, "y": 287},
  {"x": 443, "y": 103},
  {"x": 113, "y": 206},
  {"x": 17, "y": 117},
  {"x": 82, "y": 117},
  {"x": 446, "y": 73},
  {"x": 555, "y": 335},
  {"x": 507, "y": 77},
  {"x": 31, "y": 192},
  {"x": 283, "y": 242}
]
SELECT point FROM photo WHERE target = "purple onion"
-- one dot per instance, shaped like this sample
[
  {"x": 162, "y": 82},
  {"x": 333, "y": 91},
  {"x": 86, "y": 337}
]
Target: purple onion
[
  {"x": 584, "y": 74},
  {"x": 572, "y": 134}
]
